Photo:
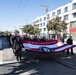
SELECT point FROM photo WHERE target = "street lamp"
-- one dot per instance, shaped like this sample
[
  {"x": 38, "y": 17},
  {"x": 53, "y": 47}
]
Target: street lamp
[
  {"x": 46, "y": 16},
  {"x": 45, "y": 7}
]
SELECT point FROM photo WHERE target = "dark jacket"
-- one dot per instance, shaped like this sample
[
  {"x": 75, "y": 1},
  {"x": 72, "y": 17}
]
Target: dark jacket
[
  {"x": 70, "y": 41},
  {"x": 18, "y": 43}
]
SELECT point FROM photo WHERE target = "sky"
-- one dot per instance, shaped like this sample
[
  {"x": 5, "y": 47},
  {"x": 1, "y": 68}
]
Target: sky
[{"x": 17, "y": 13}]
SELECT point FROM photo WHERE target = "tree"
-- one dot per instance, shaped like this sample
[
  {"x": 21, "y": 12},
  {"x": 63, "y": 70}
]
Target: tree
[
  {"x": 7, "y": 32},
  {"x": 63, "y": 26},
  {"x": 36, "y": 30},
  {"x": 1, "y": 32},
  {"x": 56, "y": 25},
  {"x": 30, "y": 29}
]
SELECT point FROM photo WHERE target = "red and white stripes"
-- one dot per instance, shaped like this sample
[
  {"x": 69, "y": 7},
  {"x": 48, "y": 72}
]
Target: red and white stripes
[{"x": 57, "y": 45}]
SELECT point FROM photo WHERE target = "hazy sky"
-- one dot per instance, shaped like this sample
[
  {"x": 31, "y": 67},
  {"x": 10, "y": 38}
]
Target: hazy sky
[{"x": 16, "y": 13}]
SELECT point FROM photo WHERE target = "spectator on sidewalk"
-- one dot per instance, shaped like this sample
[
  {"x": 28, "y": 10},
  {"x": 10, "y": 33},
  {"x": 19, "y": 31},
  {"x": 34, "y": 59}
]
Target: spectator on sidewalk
[{"x": 70, "y": 42}]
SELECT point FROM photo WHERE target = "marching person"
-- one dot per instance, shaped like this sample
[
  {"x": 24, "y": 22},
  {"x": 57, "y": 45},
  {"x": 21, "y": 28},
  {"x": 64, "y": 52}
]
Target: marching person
[
  {"x": 18, "y": 46},
  {"x": 70, "y": 42}
]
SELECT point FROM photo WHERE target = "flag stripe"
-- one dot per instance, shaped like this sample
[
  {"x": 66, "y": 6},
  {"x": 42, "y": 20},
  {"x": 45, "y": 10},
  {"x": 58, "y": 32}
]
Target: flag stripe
[
  {"x": 48, "y": 42},
  {"x": 56, "y": 45}
]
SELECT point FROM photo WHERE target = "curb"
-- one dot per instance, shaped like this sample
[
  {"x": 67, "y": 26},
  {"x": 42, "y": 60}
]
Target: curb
[{"x": 9, "y": 62}]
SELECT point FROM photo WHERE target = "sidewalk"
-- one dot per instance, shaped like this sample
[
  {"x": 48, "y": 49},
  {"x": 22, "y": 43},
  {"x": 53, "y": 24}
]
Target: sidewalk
[
  {"x": 7, "y": 56},
  {"x": 0, "y": 57}
]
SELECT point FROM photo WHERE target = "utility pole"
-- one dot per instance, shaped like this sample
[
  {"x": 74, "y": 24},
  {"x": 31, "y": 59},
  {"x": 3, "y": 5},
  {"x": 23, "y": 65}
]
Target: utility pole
[{"x": 46, "y": 17}]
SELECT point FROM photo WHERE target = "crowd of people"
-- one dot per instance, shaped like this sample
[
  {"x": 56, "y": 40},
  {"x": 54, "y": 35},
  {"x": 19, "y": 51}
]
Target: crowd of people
[{"x": 15, "y": 41}]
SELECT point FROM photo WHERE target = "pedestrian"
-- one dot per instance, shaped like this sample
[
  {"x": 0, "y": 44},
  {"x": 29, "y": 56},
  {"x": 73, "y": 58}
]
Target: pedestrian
[
  {"x": 18, "y": 47},
  {"x": 70, "y": 42}
]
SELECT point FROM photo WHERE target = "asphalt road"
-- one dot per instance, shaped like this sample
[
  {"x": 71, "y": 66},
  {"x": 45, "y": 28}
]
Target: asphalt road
[{"x": 37, "y": 64}]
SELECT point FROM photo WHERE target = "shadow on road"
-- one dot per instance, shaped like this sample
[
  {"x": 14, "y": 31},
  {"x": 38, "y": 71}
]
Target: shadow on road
[{"x": 35, "y": 64}]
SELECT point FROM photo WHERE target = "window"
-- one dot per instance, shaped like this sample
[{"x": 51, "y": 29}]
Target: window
[
  {"x": 44, "y": 18},
  {"x": 58, "y": 12},
  {"x": 73, "y": 24},
  {"x": 74, "y": 6},
  {"x": 40, "y": 29},
  {"x": 40, "y": 25},
  {"x": 37, "y": 25},
  {"x": 44, "y": 29},
  {"x": 37, "y": 21},
  {"x": 48, "y": 16},
  {"x": 44, "y": 24},
  {"x": 74, "y": 14},
  {"x": 66, "y": 17},
  {"x": 66, "y": 9},
  {"x": 40, "y": 19},
  {"x": 60, "y": 18},
  {"x": 53, "y": 14}
]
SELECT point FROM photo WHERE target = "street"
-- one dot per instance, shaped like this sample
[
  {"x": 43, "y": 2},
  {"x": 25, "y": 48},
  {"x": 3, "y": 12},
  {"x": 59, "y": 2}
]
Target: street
[
  {"x": 37, "y": 64},
  {"x": 42, "y": 33}
]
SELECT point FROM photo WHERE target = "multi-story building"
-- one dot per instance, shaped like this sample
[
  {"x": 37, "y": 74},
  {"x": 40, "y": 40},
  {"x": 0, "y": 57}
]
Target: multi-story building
[{"x": 66, "y": 12}]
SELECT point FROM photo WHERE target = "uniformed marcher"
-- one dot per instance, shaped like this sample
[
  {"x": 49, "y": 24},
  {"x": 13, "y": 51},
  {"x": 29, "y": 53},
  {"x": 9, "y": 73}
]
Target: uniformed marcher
[{"x": 70, "y": 42}]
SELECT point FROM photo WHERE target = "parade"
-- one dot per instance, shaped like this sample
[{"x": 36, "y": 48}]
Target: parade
[{"x": 37, "y": 37}]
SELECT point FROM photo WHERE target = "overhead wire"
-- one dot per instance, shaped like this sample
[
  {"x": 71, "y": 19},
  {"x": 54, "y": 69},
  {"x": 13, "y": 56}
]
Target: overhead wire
[
  {"x": 18, "y": 7},
  {"x": 14, "y": 15},
  {"x": 23, "y": 7}
]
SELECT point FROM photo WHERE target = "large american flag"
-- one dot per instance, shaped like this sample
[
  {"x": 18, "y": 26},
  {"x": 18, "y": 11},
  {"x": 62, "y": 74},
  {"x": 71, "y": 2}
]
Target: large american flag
[{"x": 49, "y": 46}]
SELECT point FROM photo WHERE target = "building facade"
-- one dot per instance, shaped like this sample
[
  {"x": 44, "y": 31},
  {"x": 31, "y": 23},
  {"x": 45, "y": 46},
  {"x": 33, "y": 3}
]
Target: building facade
[{"x": 66, "y": 12}]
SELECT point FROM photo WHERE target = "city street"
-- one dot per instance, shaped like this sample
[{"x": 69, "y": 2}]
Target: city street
[
  {"x": 45, "y": 30},
  {"x": 38, "y": 64}
]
